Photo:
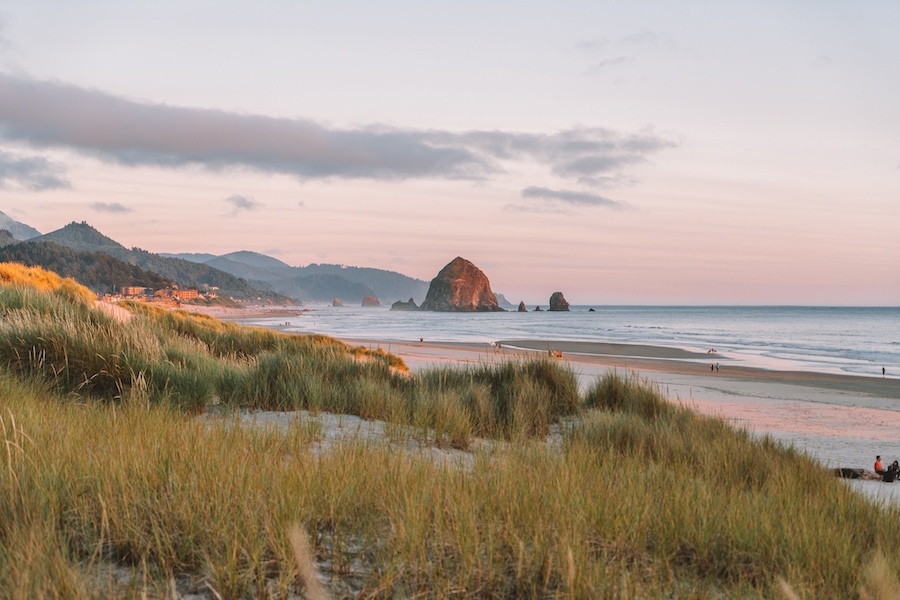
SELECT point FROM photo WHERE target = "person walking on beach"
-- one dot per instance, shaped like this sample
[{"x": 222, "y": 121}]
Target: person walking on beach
[
  {"x": 717, "y": 367},
  {"x": 882, "y": 372},
  {"x": 712, "y": 367}
]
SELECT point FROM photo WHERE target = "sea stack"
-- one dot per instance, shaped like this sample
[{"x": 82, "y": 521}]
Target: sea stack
[
  {"x": 558, "y": 302},
  {"x": 461, "y": 287},
  {"x": 401, "y": 305},
  {"x": 337, "y": 302},
  {"x": 522, "y": 307},
  {"x": 370, "y": 301}
]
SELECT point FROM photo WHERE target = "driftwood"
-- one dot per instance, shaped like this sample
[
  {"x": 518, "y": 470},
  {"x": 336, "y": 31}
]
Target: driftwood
[{"x": 848, "y": 473}]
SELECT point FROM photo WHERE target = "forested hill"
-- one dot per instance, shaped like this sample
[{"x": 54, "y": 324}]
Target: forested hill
[
  {"x": 83, "y": 237},
  {"x": 96, "y": 270}
]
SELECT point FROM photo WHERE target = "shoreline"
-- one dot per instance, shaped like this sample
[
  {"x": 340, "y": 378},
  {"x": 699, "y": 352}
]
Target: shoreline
[
  {"x": 639, "y": 357},
  {"x": 841, "y": 420}
]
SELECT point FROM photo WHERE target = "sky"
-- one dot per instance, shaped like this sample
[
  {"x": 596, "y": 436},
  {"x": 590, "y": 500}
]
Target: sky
[{"x": 622, "y": 153}]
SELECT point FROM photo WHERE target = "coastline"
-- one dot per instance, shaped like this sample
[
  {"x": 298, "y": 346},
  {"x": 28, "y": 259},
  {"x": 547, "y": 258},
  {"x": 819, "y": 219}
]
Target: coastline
[{"x": 841, "y": 420}]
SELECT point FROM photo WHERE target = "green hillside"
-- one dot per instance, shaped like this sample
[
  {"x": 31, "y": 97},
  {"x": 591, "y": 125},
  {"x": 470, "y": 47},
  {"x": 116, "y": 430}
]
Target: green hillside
[
  {"x": 83, "y": 237},
  {"x": 96, "y": 270},
  {"x": 7, "y": 238}
]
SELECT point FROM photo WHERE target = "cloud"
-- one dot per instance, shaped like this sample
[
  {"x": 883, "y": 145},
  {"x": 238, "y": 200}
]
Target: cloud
[
  {"x": 34, "y": 173},
  {"x": 580, "y": 151},
  {"x": 52, "y": 114},
  {"x": 571, "y": 197},
  {"x": 242, "y": 203},
  {"x": 111, "y": 207},
  {"x": 609, "y": 62}
]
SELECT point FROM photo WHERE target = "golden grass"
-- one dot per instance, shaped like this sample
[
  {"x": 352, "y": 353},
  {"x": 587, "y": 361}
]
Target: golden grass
[{"x": 44, "y": 281}]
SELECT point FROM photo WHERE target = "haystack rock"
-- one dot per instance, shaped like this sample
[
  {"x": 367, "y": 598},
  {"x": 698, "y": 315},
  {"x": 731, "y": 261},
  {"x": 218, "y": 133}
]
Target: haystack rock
[
  {"x": 371, "y": 301},
  {"x": 401, "y": 305},
  {"x": 537, "y": 308},
  {"x": 461, "y": 287},
  {"x": 337, "y": 302},
  {"x": 522, "y": 307},
  {"x": 558, "y": 302}
]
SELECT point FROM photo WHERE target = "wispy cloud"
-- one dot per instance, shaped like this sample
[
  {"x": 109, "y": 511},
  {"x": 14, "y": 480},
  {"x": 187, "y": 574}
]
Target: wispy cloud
[
  {"x": 571, "y": 197},
  {"x": 580, "y": 151},
  {"x": 606, "y": 181},
  {"x": 52, "y": 114},
  {"x": 597, "y": 67},
  {"x": 34, "y": 173},
  {"x": 111, "y": 207},
  {"x": 240, "y": 203}
]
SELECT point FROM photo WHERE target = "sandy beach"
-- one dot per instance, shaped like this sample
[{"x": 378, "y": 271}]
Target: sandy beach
[{"x": 842, "y": 420}]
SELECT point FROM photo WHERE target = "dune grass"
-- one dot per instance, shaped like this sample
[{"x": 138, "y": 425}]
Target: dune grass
[
  {"x": 51, "y": 333},
  {"x": 119, "y": 500},
  {"x": 111, "y": 487}
]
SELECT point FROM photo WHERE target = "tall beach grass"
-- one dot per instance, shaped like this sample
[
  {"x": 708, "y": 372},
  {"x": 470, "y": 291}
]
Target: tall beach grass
[{"x": 111, "y": 487}]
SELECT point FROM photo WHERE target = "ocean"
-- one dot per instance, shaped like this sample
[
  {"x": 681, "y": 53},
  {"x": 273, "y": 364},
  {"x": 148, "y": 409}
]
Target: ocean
[{"x": 839, "y": 340}]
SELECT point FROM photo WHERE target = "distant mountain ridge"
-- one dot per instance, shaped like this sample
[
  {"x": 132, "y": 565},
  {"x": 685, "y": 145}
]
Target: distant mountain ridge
[
  {"x": 20, "y": 231},
  {"x": 317, "y": 282},
  {"x": 84, "y": 238}
]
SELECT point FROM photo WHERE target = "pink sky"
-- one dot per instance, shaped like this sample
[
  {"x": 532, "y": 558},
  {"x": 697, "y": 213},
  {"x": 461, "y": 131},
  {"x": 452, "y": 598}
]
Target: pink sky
[{"x": 642, "y": 154}]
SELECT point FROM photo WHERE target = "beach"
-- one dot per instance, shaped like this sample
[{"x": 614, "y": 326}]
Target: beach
[{"x": 842, "y": 420}]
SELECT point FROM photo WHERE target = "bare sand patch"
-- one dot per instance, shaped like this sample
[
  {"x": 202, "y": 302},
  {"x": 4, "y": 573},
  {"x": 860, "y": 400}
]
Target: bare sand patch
[{"x": 122, "y": 315}]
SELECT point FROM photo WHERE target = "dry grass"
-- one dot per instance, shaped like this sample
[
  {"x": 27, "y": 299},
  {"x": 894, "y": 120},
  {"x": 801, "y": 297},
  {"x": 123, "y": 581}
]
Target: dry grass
[{"x": 134, "y": 496}]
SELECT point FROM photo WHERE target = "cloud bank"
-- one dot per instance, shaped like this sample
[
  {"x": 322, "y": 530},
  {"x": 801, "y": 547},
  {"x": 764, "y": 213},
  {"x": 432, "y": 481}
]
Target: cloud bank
[
  {"x": 33, "y": 173},
  {"x": 58, "y": 115}
]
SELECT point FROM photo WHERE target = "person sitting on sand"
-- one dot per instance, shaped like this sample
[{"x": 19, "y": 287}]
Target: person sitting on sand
[{"x": 878, "y": 468}]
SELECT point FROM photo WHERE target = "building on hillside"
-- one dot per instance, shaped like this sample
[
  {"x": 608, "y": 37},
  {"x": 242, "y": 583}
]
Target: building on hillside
[
  {"x": 130, "y": 291},
  {"x": 185, "y": 294}
]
